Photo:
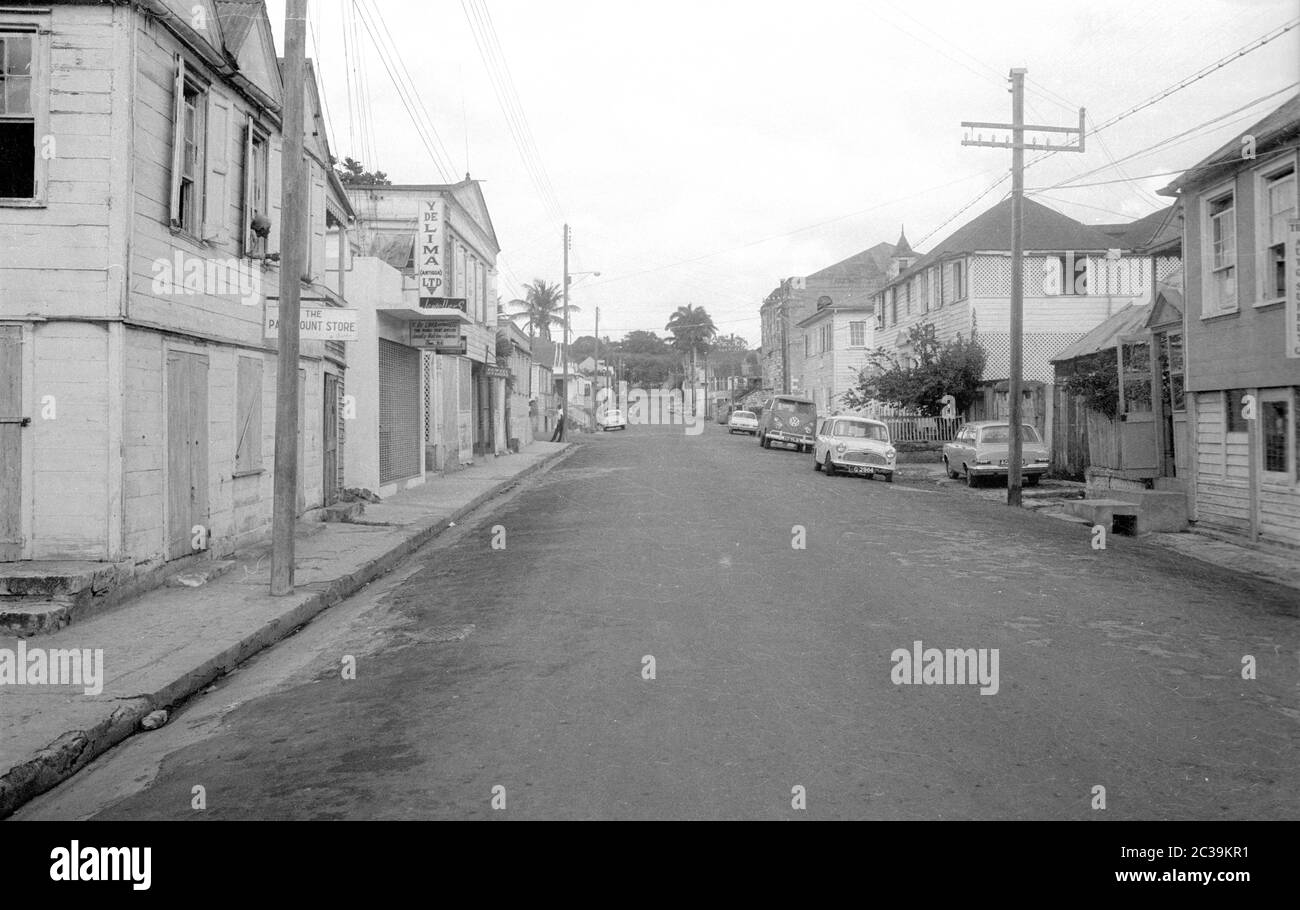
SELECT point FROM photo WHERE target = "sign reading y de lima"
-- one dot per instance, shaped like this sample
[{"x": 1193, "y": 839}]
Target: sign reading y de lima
[
  {"x": 1292, "y": 266},
  {"x": 443, "y": 335},
  {"x": 431, "y": 240},
  {"x": 315, "y": 323}
]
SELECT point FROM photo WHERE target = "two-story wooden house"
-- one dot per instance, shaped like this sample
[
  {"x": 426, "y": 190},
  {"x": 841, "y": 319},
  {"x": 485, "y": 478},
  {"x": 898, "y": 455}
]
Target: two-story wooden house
[
  {"x": 1242, "y": 314},
  {"x": 1075, "y": 277},
  {"x": 139, "y": 245}
]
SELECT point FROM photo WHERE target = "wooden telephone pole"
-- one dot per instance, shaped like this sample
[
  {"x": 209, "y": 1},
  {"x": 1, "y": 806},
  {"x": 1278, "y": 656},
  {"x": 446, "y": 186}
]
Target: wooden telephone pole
[
  {"x": 1017, "y": 144},
  {"x": 564, "y": 402},
  {"x": 292, "y": 258}
]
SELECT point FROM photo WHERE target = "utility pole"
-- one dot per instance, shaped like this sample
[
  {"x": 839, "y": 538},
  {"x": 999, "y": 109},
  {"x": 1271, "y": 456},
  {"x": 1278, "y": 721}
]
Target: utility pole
[
  {"x": 596, "y": 356},
  {"x": 1017, "y": 144},
  {"x": 292, "y": 253},
  {"x": 564, "y": 403}
]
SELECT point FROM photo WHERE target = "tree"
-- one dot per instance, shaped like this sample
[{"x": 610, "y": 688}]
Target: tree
[
  {"x": 919, "y": 379},
  {"x": 642, "y": 342},
  {"x": 692, "y": 329},
  {"x": 731, "y": 342},
  {"x": 353, "y": 173},
  {"x": 542, "y": 307}
]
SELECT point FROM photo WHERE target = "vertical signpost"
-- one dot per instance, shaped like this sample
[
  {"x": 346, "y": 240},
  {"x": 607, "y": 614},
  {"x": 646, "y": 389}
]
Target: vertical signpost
[
  {"x": 1017, "y": 144},
  {"x": 431, "y": 240}
]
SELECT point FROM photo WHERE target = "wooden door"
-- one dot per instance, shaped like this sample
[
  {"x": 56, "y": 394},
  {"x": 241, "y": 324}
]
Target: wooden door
[
  {"x": 11, "y": 427},
  {"x": 330, "y": 441},
  {"x": 187, "y": 452}
]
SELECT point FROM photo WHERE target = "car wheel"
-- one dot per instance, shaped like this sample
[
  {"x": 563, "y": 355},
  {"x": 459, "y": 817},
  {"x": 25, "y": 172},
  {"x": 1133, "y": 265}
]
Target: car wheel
[
  {"x": 1031, "y": 480},
  {"x": 830, "y": 466},
  {"x": 817, "y": 465},
  {"x": 889, "y": 478},
  {"x": 947, "y": 469},
  {"x": 971, "y": 480}
]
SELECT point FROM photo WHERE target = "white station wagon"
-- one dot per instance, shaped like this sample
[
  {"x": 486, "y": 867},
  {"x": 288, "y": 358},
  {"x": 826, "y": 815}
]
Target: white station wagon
[{"x": 854, "y": 445}]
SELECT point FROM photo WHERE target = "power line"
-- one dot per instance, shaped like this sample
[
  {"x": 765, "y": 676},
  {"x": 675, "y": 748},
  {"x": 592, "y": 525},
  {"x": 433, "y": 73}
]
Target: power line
[
  {"x": 408, "y": 96},
  {"x": 483, "y": 32},
  {"x": 412, "y": 91}
]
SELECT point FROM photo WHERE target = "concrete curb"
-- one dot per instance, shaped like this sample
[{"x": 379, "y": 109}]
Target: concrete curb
[{"x": 77, "y": 748}]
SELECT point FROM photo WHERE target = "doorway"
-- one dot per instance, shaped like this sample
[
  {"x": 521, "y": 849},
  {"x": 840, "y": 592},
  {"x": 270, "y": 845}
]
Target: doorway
[
  {"x": 330, "y": 441},
  {"x": 187, "y": 453},
  {"x": 11, "y": 425}
]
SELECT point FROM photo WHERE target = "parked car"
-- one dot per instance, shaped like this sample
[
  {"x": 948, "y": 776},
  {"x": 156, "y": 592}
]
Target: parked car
[
  {"x": 788, "y": 419},
  {"x": 981, "y": 450},
  {"x": 854, "y": 445},
  {"x": 743, "y": 422},
  {"x": 613, "y": 420}
]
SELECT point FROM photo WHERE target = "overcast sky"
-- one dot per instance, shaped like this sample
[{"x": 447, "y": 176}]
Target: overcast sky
[{"x": 702, "y": 150}]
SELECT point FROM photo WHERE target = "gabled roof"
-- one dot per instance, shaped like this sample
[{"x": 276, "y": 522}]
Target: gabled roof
[
  {"x": 251, "y": 44},
  {"x": 868, "y": 263},
  {"x": 1278, "y": 127},
  {"x": 468, "y": 194},
  {"x": 1151, "y": 230},
  {"x": 1042, "y": 229},
  {"x": 237, "y": 18}
]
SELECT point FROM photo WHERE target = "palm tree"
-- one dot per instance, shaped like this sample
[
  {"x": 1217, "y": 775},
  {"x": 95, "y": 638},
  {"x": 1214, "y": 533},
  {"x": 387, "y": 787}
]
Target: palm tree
[
  {"x": 692, "y": 328},
  {"x": 542, "y": 307}
]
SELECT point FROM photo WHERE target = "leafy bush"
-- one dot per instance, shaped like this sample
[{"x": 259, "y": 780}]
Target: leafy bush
[{"x": 920, "y": 381}]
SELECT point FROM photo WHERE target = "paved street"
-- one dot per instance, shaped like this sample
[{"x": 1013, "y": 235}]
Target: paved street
[{"x": 522, "y": 667}]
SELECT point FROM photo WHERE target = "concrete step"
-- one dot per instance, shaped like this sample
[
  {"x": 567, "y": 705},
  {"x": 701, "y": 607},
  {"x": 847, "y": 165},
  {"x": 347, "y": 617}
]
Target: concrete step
[
  {"x": 28, "y": 616},
  {"x": 48, "y": 579}
]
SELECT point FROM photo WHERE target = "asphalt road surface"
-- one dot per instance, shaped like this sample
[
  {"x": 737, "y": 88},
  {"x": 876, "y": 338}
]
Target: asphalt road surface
[{"x": 519, "y": 674}]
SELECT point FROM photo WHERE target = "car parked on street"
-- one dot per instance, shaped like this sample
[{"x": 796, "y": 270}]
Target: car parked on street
[
  {"x": 743, "y": 422},
  {"x": 854, "y": 445},
  {"x": 981, "y": 450},
  {"x": 788, "y": 419},
  {"x": 613, "y": 419}
]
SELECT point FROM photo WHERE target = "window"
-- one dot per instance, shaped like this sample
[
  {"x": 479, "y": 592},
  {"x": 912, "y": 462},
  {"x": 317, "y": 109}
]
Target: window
[
  {"x": 907, "y": 296},
  {"x": 248, "y": 416},
  {"x": 188, "y": 141},
  {"x": 1171, "y": 369},
  {"x": 958, "y": 280},
  {"x": 256, "y": 199},
  {"x": 857, "y": 334},
  {"x": 17, "y": 117},
  {"x": 880, "y": 311},
  {"x": 1233, "y": 407},
  {"x": 923, "y": 290},
  {"x": 1277, "y": 206},
  {"x": 807, "y": 346},
  {"x": 1220, "y": 286},
  {"x": 826, "y": 337},
  {"x": 893, "y": 306},
  {"x": 1275, "y": 428}
]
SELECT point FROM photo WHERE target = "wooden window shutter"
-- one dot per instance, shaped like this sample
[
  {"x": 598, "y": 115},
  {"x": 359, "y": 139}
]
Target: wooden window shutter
[
  {"x": 178, "y": 140},
  {"x": 246, "y": 208},
  {"x": 248, "y": 415}
]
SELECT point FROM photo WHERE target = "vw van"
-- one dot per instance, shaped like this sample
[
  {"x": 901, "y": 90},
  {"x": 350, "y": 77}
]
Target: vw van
[{"x": 788, "y": 419}]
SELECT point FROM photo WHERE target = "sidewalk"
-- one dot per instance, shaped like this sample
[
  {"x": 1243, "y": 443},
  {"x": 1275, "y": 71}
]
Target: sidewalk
[
  {"x": 171, "y": 642},
  {"x": 1279, "y": 568}
]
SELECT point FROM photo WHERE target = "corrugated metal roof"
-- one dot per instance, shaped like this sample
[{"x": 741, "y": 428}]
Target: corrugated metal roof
[{"x": 1131, "y": 320}]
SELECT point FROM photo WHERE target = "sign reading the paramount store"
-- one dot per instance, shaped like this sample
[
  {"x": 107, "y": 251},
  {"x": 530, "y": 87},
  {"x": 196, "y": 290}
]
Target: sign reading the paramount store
[
  {"x": 430, "y": 241},
  {"x": 315, "y": 323},
  {"x": 443, "y": 335},
  {"x": 1292, "y": 266}
]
